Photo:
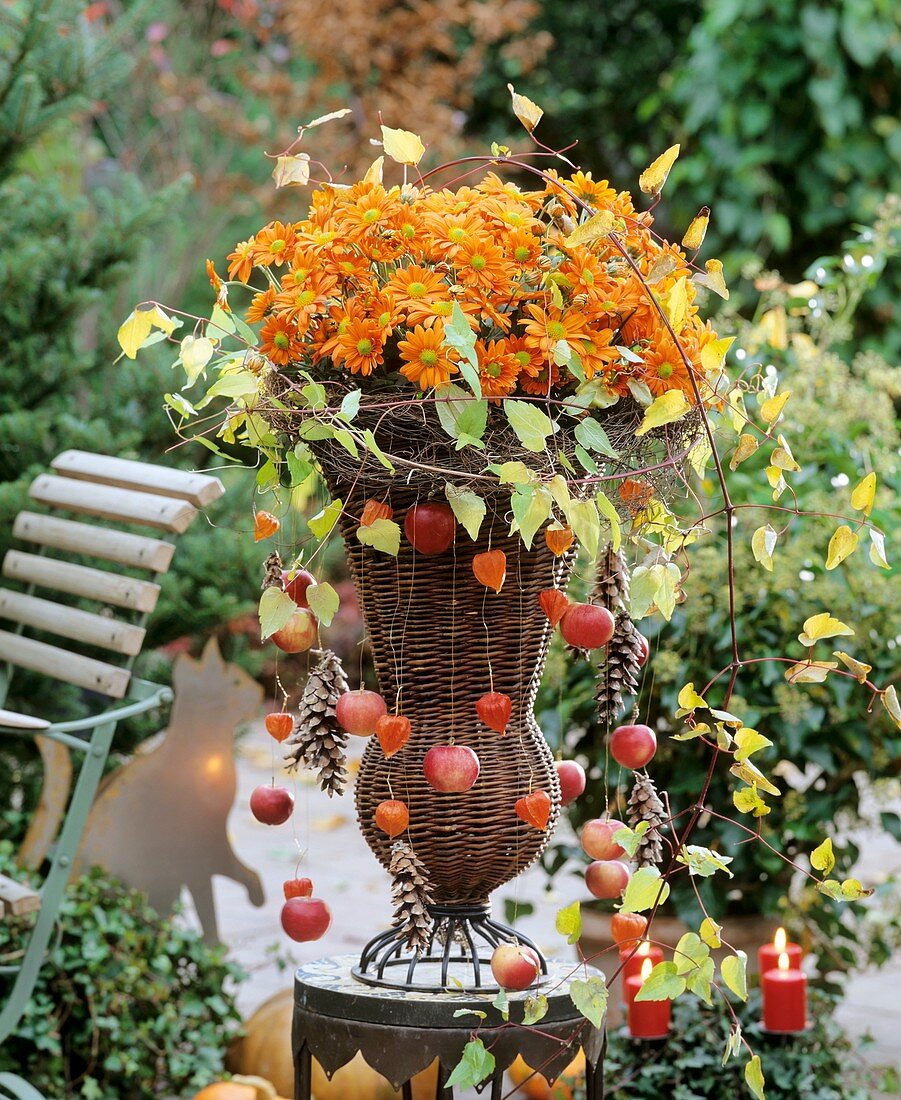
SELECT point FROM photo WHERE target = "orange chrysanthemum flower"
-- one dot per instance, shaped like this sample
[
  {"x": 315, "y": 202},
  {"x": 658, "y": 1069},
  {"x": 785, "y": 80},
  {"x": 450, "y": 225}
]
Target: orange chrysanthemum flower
[
  {"x": 498, "y": 368},
  {"x": 542, "y": 382},
  {"x": 359, "y": 347},
  {"x": 664, "y": 368},
  {"x": 549, "y": 326},
  {"x": 303, "y": 295},
  {"x": 279, "y": 341},
  {"x": 597, "y": 193},
  {"x": 240, "y": 262},
  {"x": 479, "y": 263},
  {"x": 414, "y": 287},
  {"x": 274, "y": 245},
  {"x": 260, "y": 305},
  {"x": 522, "y": 248},
  {"x": 426, "y": 358},
  {"x": 597, "y": 352}
]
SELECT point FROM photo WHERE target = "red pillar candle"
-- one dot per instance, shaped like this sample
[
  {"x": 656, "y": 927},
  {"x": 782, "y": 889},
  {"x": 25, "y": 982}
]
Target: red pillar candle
[
  {"x": 632, "y": 961},
  {"x": 647, "y": 1019},
  {"x": 768, "y": 953},
  {"x": 784, "y": 997}
]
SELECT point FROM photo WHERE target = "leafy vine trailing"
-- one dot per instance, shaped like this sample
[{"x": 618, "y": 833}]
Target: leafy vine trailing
[{"x": 577, "y": 333}]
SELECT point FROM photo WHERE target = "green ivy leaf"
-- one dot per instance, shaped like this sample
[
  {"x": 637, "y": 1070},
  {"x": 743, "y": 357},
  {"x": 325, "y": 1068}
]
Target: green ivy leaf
[
  {"x": 590, "y": 998},
  {"x": 754, "y": 1078},
  {"x": 702, "y": 862},
  {"x": 276, "y": 609},
  {"x": 323, "y": 601},
  {"x": 534, "y": 1009},
  {"x": 513, "y": 473},
  {"x": 502, "y": 1003},
  {"x": 350, "y": 405},
  {"x": 734, "y": 971},
  {"x": 531, "y": 425},
  {"x": 662, "y": 984},
  {"x": 586, "y": 524},
  {"x": 629, "y": 839},
  {"x": 747, "y": 742},
  {"x": 645, "y": 890},
  {"x": 476, "y": 1065},
  {"x": 382, "y": 535},
  {"x": 324, "y": 521},
  {"x": 375, "y": 449},
  {"x": 459, "y": 335},
  {"x": 605, "y": 507},
  {"x": 531, "y": 505},
  {"x": 700, "y": 980},
  {"x": 569, "y": 922},
  {"x": 690, "y": 952},
  {"x": 467, "y": 506},
  {"x": 593, "y": 437}
]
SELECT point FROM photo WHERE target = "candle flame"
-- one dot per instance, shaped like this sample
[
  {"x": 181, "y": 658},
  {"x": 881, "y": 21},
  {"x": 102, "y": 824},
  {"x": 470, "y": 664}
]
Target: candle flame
[
  {"x": 784, "y": 964},
  {"x": 646, "y": 967},
  {"x": 644, "y": 948},
  {"x": 780, "y": 940}
]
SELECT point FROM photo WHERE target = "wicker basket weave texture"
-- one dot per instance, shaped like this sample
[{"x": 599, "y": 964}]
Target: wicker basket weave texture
[{"x": 438, "y": 637}]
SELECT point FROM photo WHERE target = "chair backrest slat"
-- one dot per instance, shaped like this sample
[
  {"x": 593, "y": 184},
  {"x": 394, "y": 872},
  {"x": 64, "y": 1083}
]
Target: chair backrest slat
[
  {"x": 138, "y": 551},
  {"x": 60, "y": 664},
  {"x": 122, "y": 505},
  {"x": 70, "y": 622},
  {"x": 198, "y": 489},
  {"x": 80, "y": 580}
]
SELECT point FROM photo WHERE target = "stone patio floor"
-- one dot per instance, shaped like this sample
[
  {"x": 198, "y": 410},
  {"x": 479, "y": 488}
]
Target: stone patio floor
[{"x": 347, "y": 876}]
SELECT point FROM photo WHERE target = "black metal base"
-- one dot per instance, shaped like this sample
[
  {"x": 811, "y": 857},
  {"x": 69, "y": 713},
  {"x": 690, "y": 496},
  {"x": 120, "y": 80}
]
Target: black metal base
[{"x": 458, "y": 955}]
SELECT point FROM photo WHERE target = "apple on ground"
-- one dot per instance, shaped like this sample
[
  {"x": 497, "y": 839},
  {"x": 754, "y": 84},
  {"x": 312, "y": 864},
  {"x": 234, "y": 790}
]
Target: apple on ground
[
  {"x": 271, "y": 805},
  {"x": 587, "y": 626},
  {"x": 305, "y": 919},
  {"x": 572, "y": 780},
  {"x": 451, "y": 769},
  {"x": 597, "y": 838},
  {"x": 430, "y": 527},
  {"x": 607, "y": 878},
  {"x": 299, "y": 633},
  {"x": 296, "y": 586},
  {"x": 515, "y": 966},
  {"x": 633, "y": 746},
  {"x": 359, "y": 711}
]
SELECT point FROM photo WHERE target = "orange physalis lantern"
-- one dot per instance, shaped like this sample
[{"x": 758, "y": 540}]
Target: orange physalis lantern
[
  {"x": 554, "y": 604},
  {"x": 559, "y": 537},
  {"x": 534, "y": 809},
  {"x": 627, "y": 929},
  {"x": 490, "y": 569},
  {"x": 298, "y": 888},
  {"x": 265, "y": 524},
  {"x": 373, "y": 510},
  {"x": 279, "y": 725},
  {"x": 393, "y": 732},
  {"x": 636, "y": 495},
  {"x": 392, "y": 817},
  {"x": 494, "y": 709}
]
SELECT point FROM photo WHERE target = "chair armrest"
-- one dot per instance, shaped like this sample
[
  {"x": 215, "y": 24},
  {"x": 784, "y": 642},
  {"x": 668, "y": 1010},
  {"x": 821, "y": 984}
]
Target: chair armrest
[{"x": 158, "y": 695}]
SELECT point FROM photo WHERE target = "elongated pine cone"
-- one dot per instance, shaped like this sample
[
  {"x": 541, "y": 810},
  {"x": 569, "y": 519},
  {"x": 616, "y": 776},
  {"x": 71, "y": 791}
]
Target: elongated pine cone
[
  {"x": 411, "y": 893},
  {"x": 619, "y": 671},
  {"x": 645, "y": 805},
  {"x": 319, "y": 741}
]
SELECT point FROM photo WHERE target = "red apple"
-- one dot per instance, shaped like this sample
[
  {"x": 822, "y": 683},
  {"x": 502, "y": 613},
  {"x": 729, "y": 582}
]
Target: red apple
[
  {"x": 306, "y": 918},
  {"x": 271, "y": 805},
  {"x": 451, "y": 768},
  {"x": 296, "y": 586},
  {"x": 572, "y": 780},
  {"x": 607, "y": 878},
  {"x": 430, "y": 527},
  {"x": 299, "y": 633},
  {"x": 633, "y": 746},
  {"x": 645, "y": 646},
  {"x": 597, "y": 838},
  {"x": 298, "y": 888},
  {"x": 586, "y": 626},
  {"x": 358, "y": 711},
  {"x": 515, "y": 966}
]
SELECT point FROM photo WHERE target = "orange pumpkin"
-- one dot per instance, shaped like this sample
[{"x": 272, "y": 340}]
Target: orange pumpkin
[
  {"x": 393, "y": 732},
  {"x": 554, "y": 604},
  {"x": 494, "y": 709},
  {"x": 534, "y": 809},
  {"x": 392, "y": 817},
  {"x": 535, "y": 1087},
  {"x": 490, "y": 569},
  {"x": 239, "y": 1088},
  {"x": 265, "y": 524},
  {"x": 627, "y": 929},
  {"x": 559, "y": 537}
]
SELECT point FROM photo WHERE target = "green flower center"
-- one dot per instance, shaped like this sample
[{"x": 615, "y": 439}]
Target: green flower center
[
  {"x": 372, "y": 215},
  {"x": 281, "y": 341},
  {"x": 428, "y": 357},
  {"x": 305, "y": 298},
  {"x": 364, "y": 347},
  {"x": 456, "y": 234},
  {"x": 416, "y": 290},
  {"x": 523, "y": 358},
  {"x": 521, "y": 254},
  {"x": 408, "y": 231},
  {"x": 477, "y": 262},
  {"x": 556, "y": 330},
  {"x": 666, "y": 370},
  {"x": 494, "y": 369},
  {"x": 277, "y": 246}
]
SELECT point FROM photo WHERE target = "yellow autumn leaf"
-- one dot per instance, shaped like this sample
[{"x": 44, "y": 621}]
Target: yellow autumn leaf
[
  {"x": 877, "y": 549},
  {"x": 752, "y": 775},
  {"x": 402, "y": 145},
  {"x": 773, "y": 328},
  {"x": 822, "y": 858},
  {"x": 782, "y": 457},
  {"x": 665, "y": 264},
  {"x": 859, "y": 668},
  {"x": 594, "y": 229},
  {"x": 676, "y": 304},
  {"x": 841, "y": 545},
  {"x": 776, "y": 480},
  {"x": 864, "y": 494},
  {"x": 713, "y": 279},
  {"x": 195, "y": 353},
  {"x": 891, "y": 704},
  {"x": 375, "y": 171},
  {"x": 748, "y": 741},
  {"x": 697, "y": 230},
  {"x": 528, "y": 113},
  {"x": 293, "y": 171},
  {"x": 134, "y": 330},
  {"x": 810, "y": 672},
  {"x": 747, "y": 445},
  {"x": 771, "y": 409},
  {"x": 763, "y": 543},
  {"x": 748, "y": 801},
  {"x": 689, "y": 700},
  {"x": 822, "y": 626},
  {"x": 330, "y": 117},
  {"x": 709, "y": 932},
  {"x": 653, "y": 178},
  {"x": 670, "y": 406},
  {"x": 713, "y": 354}
]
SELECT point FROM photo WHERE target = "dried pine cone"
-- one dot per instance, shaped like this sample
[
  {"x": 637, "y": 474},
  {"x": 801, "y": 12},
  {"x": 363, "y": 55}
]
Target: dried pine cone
[
  {"x": 645, "y": 805},
  {"x": 619, "y": 672},
  {"x": 273, "y": 568},
  {"x": 319, "y": 741},
  {"x": 410, "y": 891}
]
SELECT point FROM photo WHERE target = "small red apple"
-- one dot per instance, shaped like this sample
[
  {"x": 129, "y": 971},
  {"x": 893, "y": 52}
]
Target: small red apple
[
  {"x": 645, "y": 647},
  {"x": 296, "y": 585},
  {"x": 451, "y": 769},
  {"x": 299, "y": 633},
  {"x": 298, "y": 888},
  {"x": 271, "y": 805},
  {"x": 587, "y": 626},
  {"x": 572, "y": 780},
  {"x": 306, "y": 919},
  {"x": 597, "y": 838},
  {"x": 430, "y": 527},
  {"x": 515, "y": 966},
  {"x": 633, "y": 746},
  {"x": 358, "y": 711},
  {"x": 607, "y": 878}
]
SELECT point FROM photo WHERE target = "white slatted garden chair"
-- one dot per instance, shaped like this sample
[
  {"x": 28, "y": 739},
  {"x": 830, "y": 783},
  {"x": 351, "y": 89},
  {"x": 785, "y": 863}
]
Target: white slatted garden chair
[{"x": 125, "y": 493}]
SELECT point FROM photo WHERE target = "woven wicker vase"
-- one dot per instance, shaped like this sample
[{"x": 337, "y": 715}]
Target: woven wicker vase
[{"x": 440, "y": 640}]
